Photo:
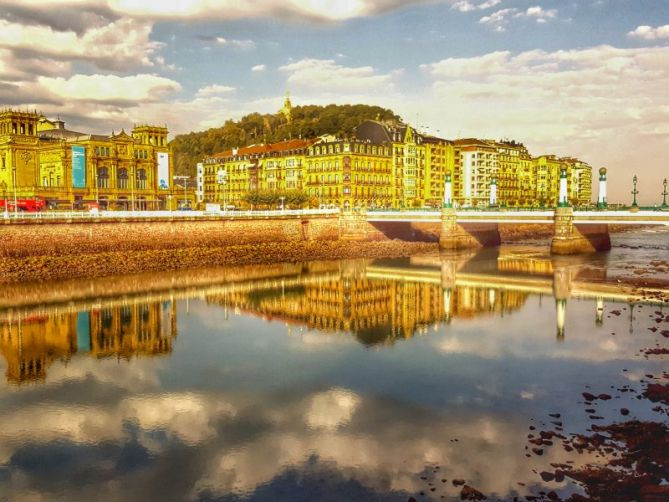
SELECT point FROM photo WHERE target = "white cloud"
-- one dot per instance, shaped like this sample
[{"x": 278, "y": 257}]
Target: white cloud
[
  {"x": 119, "y": 44},
  {"x": 539, "y": 13},
  {"x": 328, "y": 78},
  {"x": 214, "y": 90},
  {"x": 650, "y": 33},
  {"x": 321, "y": 10},
  {"x": 332, "y": 409},
  {"x": 100, "y": 88},
  {"x": 467, "y": 6},
  {"x": 500, "y": 19},
  {"x": 470, "y": 67},
  {"x": 258, "y": 68},
  {"x": 245, "y": 45},
  {"x": 598, "y": 103}
]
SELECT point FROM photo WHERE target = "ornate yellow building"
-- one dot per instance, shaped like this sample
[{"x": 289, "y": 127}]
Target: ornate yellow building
[
  {"x": 228, "y": 176},
  {"x": 349, "y": 173},
  {"x": 383, "y": 166},
  {"x": 476, "y": 165},
  {"x": 73, "y": 170},
  {"x": 515, "y": 174},
  {"x": 392, "y": 165}
]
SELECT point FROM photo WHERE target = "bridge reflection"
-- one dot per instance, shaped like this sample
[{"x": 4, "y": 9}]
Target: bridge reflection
[{"x": 379, "y": 302}]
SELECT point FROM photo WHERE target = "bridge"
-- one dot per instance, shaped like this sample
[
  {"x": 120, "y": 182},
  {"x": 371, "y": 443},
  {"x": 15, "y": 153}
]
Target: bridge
[
  {"x": 526, "y": 216},
  {"x": 574, "y": 231}
]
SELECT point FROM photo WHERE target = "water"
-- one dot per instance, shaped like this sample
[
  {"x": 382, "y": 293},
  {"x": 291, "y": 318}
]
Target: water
[{"x": 354, "y": 380}]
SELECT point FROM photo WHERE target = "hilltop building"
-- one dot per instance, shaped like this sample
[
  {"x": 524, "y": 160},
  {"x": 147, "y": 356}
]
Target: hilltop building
[{"x": 71, "y": 170}]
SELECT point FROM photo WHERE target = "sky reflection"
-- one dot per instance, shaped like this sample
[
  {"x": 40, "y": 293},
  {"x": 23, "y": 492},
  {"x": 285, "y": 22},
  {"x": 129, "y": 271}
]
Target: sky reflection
[{"x": 353, "y": 386}]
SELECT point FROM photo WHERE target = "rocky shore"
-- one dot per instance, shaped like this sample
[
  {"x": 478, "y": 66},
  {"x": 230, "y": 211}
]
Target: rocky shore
[
  {"x": 51, "y": 267},
  {"x": 61, "y": 252}
]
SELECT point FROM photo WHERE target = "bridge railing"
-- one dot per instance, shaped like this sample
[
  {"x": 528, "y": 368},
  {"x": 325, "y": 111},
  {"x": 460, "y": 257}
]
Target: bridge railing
[{"x": 111, "y": 215}]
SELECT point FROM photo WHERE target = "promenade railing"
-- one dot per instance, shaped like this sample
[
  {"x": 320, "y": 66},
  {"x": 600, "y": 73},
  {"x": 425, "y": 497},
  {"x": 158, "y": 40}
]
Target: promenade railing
[{"x": 112, "y": 215}]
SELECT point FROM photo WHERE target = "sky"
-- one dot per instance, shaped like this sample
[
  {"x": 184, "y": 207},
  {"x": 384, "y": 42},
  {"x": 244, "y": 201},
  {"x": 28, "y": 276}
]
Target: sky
[{"x": 584, "y": 78}]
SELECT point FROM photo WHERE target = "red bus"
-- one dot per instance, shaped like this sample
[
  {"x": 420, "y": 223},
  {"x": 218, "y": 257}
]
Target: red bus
[{"x": 32, "y": 205}]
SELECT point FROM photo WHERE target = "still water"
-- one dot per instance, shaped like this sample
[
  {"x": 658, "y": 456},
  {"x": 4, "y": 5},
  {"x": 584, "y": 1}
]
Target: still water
[{"x": 357, "y": 380}]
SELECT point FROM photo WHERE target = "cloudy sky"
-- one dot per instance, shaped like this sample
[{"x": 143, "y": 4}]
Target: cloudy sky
[{"x": 583, "y": 77}]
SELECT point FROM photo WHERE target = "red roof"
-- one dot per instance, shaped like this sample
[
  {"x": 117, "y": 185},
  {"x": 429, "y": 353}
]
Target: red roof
[{"x": 264, "y": 149}]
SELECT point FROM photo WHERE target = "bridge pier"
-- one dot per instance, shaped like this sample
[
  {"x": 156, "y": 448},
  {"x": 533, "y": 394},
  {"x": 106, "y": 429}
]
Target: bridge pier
[
  {"x": 471, "y": 235},
  {"x": 353, "y": 226},
  {"x": 570, "y": 238},
  {"x": 561, "y": 292}
]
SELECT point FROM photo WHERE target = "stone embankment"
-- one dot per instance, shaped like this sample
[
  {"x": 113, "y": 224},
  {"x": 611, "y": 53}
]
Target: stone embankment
[
  {"x": 30, "y": 252},
  {"x": 52, "y": 250}
]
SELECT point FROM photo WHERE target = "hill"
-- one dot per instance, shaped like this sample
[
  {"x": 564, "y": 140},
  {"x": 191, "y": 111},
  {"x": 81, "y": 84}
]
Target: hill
[{"x": 307, "y": 122}]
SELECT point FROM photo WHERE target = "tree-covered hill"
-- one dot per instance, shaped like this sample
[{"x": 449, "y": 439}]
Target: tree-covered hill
[{"x": 307, "y": 122}]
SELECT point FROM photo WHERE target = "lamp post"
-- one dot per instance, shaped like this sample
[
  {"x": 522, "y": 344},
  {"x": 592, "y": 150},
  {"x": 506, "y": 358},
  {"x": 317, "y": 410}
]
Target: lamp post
[
  {"x": 635, "y": 192},
  {"x": 601, "y": 199},
  {"x": 132, "y": 187},
  {"x": 97, "y": 187},
  {"x": 222, "y": 178},
  {"x": 185, "y": 180},
  {"x": 448, "y": 191},
  {"x": 664, "y": 193},
  {"x": 4, "y": 195},
  {"x": 563, "y": 200},
  {"x": 16, "y": 206}
]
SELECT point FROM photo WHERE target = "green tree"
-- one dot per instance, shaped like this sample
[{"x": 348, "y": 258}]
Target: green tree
[{"x": 309, "y": 121}]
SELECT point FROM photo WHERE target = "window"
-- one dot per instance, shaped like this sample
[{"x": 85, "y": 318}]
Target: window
[
  {"x": 103, "y": 177},
  {"x": 122, "y": 178},
  {"x": 141, "y": 179}
]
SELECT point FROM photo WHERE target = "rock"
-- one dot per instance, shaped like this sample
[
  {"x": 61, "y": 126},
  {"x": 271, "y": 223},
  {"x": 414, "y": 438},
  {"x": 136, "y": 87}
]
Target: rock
[
  {"x": 547, "y": 476},
  {"x": 469, "y": 493}
]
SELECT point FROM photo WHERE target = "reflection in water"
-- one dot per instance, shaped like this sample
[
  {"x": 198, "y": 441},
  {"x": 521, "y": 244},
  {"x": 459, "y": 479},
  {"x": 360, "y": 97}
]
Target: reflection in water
[
  {"x": 269, "y": 390},
  {"x": 375, "y": 311},
  {"x": 30, "y": 344}
]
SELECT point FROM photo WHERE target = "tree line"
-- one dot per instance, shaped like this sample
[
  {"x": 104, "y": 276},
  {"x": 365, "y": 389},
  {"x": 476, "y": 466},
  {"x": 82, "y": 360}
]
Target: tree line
[{"x": 308, "y": 121}]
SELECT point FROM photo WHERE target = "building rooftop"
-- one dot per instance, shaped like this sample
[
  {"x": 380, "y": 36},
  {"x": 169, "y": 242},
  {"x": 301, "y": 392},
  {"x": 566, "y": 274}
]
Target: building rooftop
[{"x": 264, "y": 149}]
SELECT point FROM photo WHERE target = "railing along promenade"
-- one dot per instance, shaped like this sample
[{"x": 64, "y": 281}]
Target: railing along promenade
[
  {"x": 575, "y": 230},
  {"x": 115, "y": 215}
]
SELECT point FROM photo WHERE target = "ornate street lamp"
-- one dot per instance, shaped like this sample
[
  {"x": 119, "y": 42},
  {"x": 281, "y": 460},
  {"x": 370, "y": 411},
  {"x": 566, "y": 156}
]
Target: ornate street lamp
[
  {"x": 601, "y": 199},
  {"x": 16, "y": 205},
  {"x": 664, "y": 193},
  {"x": 4, "y": 195},
  {"x": 635, "y": 192}
]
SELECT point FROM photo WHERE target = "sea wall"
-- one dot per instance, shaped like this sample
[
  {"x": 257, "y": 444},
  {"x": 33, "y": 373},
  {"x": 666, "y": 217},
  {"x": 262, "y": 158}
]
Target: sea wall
[{"x": 60, "y": 238}]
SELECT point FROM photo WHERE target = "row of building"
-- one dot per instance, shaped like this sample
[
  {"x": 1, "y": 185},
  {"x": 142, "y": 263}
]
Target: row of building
[
  {"x": 383, "y": 165},
  {"x": 67, "y": 169},
  {"x": 392, "y": 165}
]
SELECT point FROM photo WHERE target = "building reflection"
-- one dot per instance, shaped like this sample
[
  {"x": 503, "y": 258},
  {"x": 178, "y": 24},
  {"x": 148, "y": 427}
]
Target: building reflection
[
  {"x": 375, "y": 311},
  {"x": 31, "y": 344},
  {"x": 379, "y": 302}
]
